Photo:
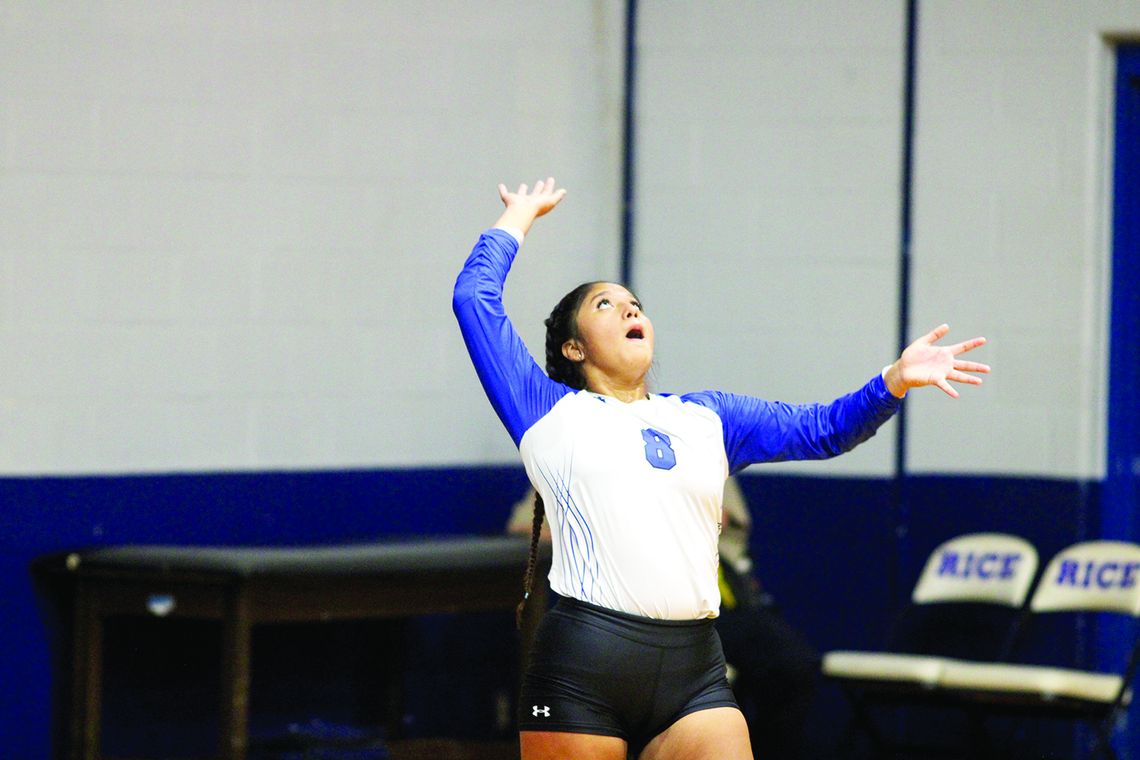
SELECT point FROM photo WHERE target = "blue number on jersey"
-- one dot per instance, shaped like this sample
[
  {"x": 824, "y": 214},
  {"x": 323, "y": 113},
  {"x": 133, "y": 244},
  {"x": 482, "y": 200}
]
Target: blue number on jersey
[{"x": 658, "y": 452}]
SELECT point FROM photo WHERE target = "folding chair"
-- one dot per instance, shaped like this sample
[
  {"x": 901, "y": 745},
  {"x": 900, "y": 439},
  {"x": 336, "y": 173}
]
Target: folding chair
[
  {"x": 968, "y": 603},
  {"x": 1093, "y": 576}
]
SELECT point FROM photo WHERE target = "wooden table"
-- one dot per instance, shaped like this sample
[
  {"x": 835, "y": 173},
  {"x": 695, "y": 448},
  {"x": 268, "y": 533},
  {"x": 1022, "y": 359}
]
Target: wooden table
[{"x": 246, "y": 586}]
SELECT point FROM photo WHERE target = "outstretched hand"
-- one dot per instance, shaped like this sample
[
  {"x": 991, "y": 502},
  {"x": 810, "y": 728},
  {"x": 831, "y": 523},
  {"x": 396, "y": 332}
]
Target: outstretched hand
[
  {"x": 924, "y": 363},
  {"x": 525, "y": 205}
]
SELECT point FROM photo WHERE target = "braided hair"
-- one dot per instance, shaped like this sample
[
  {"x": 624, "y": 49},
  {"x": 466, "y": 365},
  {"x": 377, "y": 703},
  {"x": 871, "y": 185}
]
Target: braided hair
[{"x": 561, "y": 326}]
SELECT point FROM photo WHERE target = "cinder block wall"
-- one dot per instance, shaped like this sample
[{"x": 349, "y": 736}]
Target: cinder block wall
[
  {"x": 230, "y": 230},
  {"x": 768, "y": 199},
  {"x": 1012, "y": 214},
  {"x": 229, "y": 233}
]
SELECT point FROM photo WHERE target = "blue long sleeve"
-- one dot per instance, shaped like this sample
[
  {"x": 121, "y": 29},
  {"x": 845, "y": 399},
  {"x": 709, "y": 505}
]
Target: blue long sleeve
[
  {"x": 519, "y": 391},
  {"x": 756, "y": 430}
]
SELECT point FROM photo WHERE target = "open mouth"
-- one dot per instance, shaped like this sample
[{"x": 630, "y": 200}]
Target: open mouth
[{"x": 635, "y": 334}]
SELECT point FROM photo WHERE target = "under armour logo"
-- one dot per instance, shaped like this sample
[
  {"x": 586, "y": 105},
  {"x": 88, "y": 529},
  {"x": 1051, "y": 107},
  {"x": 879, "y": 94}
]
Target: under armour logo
[{"x": 543, "y": 711}]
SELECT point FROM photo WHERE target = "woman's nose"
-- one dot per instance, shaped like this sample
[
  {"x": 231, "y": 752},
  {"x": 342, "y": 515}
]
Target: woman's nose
[{"x": 631, "y": 310}]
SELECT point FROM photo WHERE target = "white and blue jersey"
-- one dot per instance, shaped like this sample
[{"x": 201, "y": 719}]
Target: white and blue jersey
[{"x": 633, "y": 490}]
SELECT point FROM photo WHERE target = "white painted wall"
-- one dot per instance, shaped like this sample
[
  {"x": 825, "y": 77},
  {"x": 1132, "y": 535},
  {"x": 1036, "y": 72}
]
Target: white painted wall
[
  {"x": 228, "y": 231},
  {"x": 1011, "y": 228},
  {"x": 768, "y": 208},
  {"x": 768, "y": 199}
]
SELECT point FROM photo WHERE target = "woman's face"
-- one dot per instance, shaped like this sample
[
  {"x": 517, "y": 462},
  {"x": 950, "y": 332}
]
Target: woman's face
[{"x": 614, "y": 337}]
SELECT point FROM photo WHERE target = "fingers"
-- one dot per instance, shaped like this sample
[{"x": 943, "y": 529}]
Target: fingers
[
  {"x": 541, "y": 187},
  {"x": 936, "y": 334},
  {"x": 971, "y": 366},
  {"x": 947, "y": 388},
  {"x": 962, "y": 377},
  {"x": 967, "y": 345}
]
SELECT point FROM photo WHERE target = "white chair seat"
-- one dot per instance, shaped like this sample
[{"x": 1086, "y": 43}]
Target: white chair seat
[
  {"x": 1047, "y": 683},
  {"x": 919, "y": 670}
]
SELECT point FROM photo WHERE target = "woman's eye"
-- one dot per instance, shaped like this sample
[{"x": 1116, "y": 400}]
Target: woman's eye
[
  {"x": 637, "y": 305},
  {"x": 604, "y": 302}
]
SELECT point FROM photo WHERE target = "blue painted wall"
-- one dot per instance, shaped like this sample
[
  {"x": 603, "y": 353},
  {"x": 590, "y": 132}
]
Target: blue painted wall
[
  {"x": 842, "y": 563},
  {"x": 830, "y": 549},
  {"x": 41, "y": 515},
  {"x": 1121, "y": 518}
]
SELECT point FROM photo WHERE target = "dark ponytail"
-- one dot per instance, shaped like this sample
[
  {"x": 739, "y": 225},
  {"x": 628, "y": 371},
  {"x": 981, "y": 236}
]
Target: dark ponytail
[
  {"x": 532, "y": 560},
  {"x": 561, "y": 326}
]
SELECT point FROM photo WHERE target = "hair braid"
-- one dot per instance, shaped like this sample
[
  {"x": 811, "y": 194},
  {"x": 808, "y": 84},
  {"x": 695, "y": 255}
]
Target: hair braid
[
  {"x": 561, "y": 326},
  {"x": 532, "y": 560}
]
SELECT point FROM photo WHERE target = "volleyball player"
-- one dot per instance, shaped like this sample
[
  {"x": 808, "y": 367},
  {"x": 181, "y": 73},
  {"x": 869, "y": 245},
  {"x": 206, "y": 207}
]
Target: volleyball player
[{"x": 628, "y": 660}]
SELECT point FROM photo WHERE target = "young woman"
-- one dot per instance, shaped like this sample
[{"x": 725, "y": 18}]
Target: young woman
[{"x": 628, "y": 660}]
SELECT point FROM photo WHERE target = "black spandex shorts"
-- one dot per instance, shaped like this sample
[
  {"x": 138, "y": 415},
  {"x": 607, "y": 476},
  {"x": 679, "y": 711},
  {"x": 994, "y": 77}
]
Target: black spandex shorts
[{"x": 596, "y": 671}]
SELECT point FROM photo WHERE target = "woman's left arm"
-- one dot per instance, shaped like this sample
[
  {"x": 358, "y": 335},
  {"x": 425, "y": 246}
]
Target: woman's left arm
[{"x": 756, "y": 430}]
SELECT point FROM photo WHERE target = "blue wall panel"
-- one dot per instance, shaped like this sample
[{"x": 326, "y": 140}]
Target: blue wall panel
[
  {"x": 841, "y": 563},
  {"x": 1121, "y": 513},
  {"x": 1122, "y": 502},
  {"x": 41, "y": 515},
  {"x": 828, "y": 548}
]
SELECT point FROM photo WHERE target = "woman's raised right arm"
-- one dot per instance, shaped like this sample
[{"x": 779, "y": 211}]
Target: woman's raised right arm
[{"x": 518, "y": 389}]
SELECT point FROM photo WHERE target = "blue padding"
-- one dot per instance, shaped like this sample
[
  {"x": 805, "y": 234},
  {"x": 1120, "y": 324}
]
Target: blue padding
[{"x": 826, "y": 547}]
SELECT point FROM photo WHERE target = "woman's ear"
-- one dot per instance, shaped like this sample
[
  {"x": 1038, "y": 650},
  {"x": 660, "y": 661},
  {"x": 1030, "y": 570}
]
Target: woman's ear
[{"x": 572, "y": 350}]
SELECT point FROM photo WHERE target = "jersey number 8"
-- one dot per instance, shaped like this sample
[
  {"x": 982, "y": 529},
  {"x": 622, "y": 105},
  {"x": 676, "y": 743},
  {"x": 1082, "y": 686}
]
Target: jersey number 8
[{"x": 658, "y": 451}]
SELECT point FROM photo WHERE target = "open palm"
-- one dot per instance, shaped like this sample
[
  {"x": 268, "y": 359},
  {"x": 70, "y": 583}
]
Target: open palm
[{"x": 925, "y": 363}]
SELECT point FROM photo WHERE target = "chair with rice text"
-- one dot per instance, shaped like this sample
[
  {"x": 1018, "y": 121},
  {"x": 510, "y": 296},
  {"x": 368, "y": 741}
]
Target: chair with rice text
[
  {"x": 1092, "y": 576},
  {"x": 968, "y": 604}
]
